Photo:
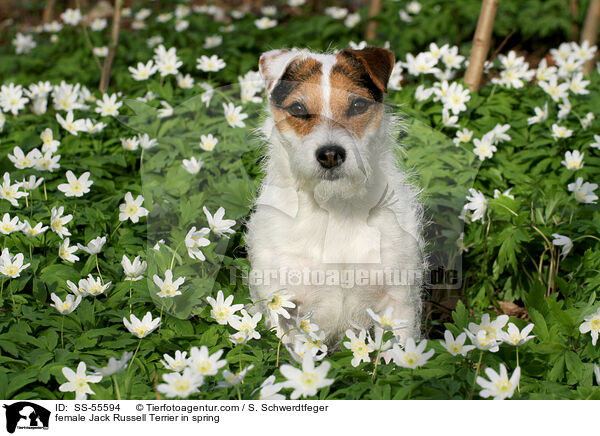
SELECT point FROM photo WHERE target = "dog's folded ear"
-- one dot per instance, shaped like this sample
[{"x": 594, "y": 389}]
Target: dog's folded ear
[
  {"x": 272, "y": 65},
  {"x": 378, "y": 62}
]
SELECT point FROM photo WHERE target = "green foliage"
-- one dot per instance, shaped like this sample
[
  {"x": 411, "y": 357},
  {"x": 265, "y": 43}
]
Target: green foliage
[{"x": 510, "y": 256}]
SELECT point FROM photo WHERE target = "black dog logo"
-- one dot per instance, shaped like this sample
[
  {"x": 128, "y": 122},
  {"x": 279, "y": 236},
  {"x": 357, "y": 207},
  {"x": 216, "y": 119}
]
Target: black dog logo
[{"x": 26, "y": 415}]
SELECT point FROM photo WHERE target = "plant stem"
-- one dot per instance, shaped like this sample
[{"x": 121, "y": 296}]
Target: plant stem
[
  {"x": 160, "y": 318},
  {"x": 476, "y": 374},
  {"x": 133, "y": 358},
  {"x": 174, "y": 253},
  {"x": 62, "y": 325},
  {"x": 279, "y": 344},
  {"x": 377, "y": 360},
  {"x": 98, "y": 269},
  {"x": 116, "y": 385},
  {"x": 116, "y": 228},
  {"x": 519, "y": 382},
  {"x": 255, "y": 303},
  {"x": 410, "y": 386}
]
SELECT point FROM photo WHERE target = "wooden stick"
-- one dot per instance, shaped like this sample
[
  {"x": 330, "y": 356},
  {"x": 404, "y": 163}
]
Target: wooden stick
[
  {"x": 590, "y": 30},
  {"x": 114, "y": 41},
  {"x": 374, "y": 9},
  {"x": 573, "y": 5},
  {"x": 481, "y": 43},
  {"x": 48, "y": 11}
]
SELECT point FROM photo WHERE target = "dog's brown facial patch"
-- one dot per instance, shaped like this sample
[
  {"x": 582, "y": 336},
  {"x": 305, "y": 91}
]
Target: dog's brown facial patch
[
  {"x": 297, "y": 98},
  {"x": 355, "y": 100}
]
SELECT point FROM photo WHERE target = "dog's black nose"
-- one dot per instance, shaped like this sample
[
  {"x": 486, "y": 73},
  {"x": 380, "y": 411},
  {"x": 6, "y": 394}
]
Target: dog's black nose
[{"x": 330, "y": 156}]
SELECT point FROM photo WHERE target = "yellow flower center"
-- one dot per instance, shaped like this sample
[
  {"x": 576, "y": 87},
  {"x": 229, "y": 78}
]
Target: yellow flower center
[
  {"x": 132, "y": 209},
  {"x": 181, "y": 385},
  {"x": 11, "y": 270},
  {"x": 308, "y": 379},
  {"x": 275, "y": 303},
  {"x": 80, "y": 384},
  {"x": 140, "y": 331},
  {"x": 386, "y": 322},
  {"x": 205, "y": 366},
  {"x": 503, "y": 385},
  {"x": 410, "y": 359},
  {"x": 360, "y": 348},
  {"x": 221, "y": 313},
  {"x": 456, "y": 347}
]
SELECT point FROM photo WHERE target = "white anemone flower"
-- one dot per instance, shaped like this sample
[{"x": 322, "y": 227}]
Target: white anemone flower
[
  {"x": 223, "y": 311},
  {"x": 168, "y": 287},
  {"x": 32, "y": 232},
  {"x": 192, "y": 165},
  {"x": 478, "y": 204},
  {"x": 58, "y": 221},
  {"x": 246, "y": 325},
  {"x": 232, "y": 379},
  {"x": 277, "y": 304},
  {"x": 573, "y": 160},
  {"x": 10, "y": 225},
  {"x": 108, "y": 106},
  {"x": 234, "y": 115},
  {"x": 562, "y": 241},
  {"x": 65, "y": 251},
  {"x": 177, "y": 363},
  {"x": 591, "y": 324},
  {"x": 79, "y": 381},
  {"x": 10, "y": 192},
  {"x": 584, "y": 192},
  {"x": 180, "y": 385},
  {"x": 269, "y": 390},
  {"x": 386, "y": 321},
  {"x": 514, "y": 336},
  {"x": 76, "y": 186},
  {"x": 141, "y": 328},
  {"x": 359, "y": 347},
  {"x": 307, "y": 381},
  {"x": 94, "y": 246},
  {"x": 133, "y": 270},
  {"x": 11, "y": 266},
  {"x": 65, "y": 307},
  {"x": 487, "y": 335},
  {"x": 413, "y": 355},
  {"x": 208, "y": 142},
  {"x": 205, "y": 363},
  {"x": 132, "y": 209},
  {"x": 456, "y": 346},
  {"x": 114, "y": 366},
  {"x": 92, "y": 286},
  {"x": 194, "y": 240},
  {"x": 217, "y": 224},
  {"x": 499, "y": 386}
]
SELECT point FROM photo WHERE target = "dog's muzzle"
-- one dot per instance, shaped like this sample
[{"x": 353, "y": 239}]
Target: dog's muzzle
[{"x": 330, "y": 156}]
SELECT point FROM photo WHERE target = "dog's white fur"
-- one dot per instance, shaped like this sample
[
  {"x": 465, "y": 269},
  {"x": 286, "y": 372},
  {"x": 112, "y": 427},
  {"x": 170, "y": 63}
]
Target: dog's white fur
[{"x": 369, "y": 218}]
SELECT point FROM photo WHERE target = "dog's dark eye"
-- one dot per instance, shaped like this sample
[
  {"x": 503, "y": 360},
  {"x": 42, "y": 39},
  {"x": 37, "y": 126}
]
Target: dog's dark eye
[
  {"x": 297, "y": 110},
  {"x": 358, "y": 106}
]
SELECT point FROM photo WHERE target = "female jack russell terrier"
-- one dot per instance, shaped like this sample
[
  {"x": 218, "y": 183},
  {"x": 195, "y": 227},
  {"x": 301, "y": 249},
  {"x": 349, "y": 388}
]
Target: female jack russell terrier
[{"x": 337, "y": 227}]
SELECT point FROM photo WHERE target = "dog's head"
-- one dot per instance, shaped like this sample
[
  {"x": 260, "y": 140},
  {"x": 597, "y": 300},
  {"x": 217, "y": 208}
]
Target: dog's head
[{"x": 328, "y": 113}]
